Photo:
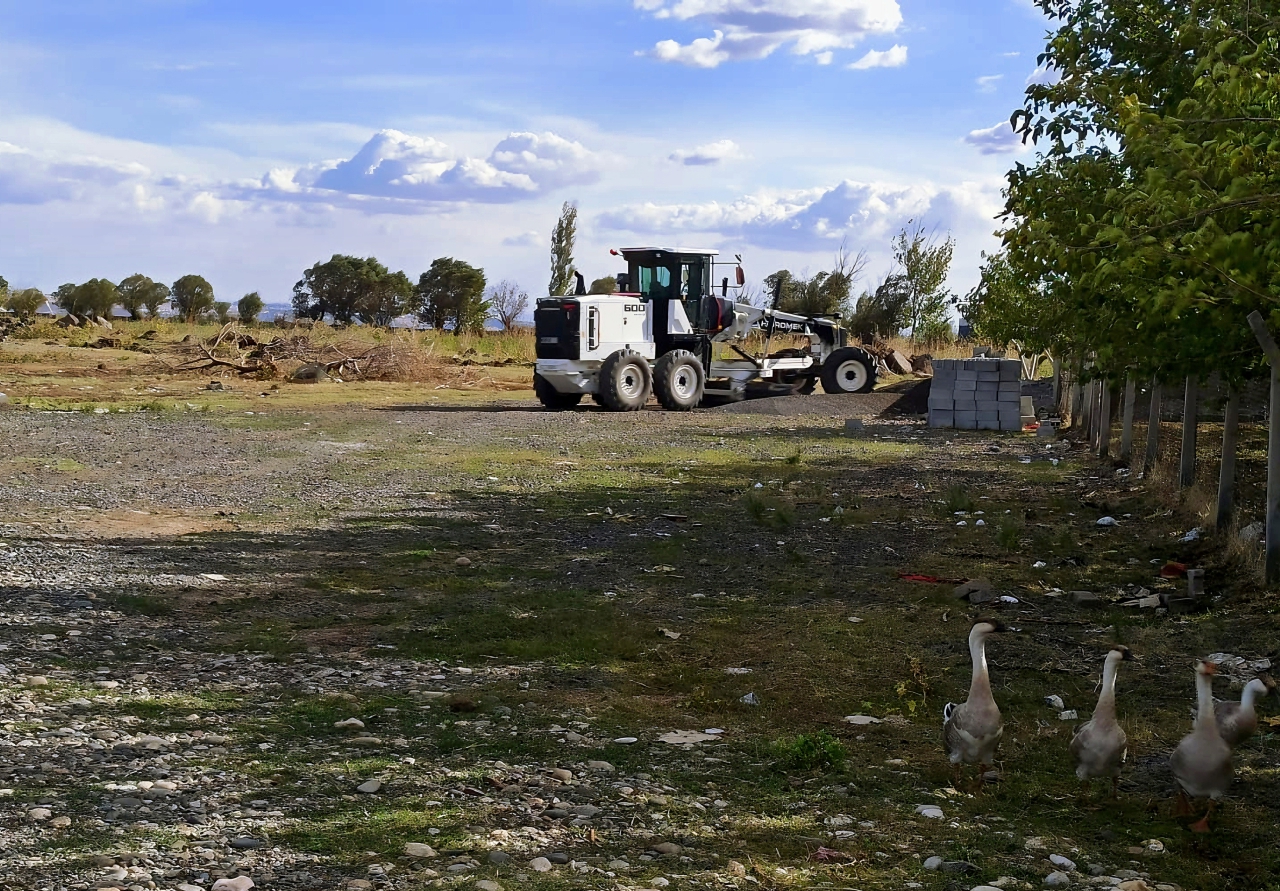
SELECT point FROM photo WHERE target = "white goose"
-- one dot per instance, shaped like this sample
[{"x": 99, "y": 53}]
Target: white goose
[
  {"x": 1202, "y": 761},
  {"x": 1100, "y": 745},
  {"x": 971, "y": 731},
  {"x": 1237, "y": 721}
]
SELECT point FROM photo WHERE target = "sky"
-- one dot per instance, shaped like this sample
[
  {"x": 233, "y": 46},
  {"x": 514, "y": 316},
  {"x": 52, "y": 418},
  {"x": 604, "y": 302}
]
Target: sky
[{"x": 245, "y": 140}]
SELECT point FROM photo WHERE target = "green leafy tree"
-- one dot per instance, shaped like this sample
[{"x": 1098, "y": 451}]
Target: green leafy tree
[
  {"x": 25, "y": 303},
  {"x": 93, "y": 299},
  {"x": 563, "y": 242},
  {"x": 824, "y": 294},
  {"x": 452, "y": 291},
  {"x": 923, "y": 263},
  {"x": 4, "y": 289},
  {"x": 192, "y": 297},
  {"x": 138, "y": 291},
  {"x": 882, "y": 313},
  {"x": 507, "y": 302},
  {"x": 350, "y": 288},
  {"x": 222, "y": 312},
  {"x": 606, "y": 285},
  {"x": 249, "y": 307}
]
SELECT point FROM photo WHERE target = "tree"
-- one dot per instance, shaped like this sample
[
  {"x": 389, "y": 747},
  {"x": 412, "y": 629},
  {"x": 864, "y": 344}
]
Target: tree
[
  {"x": 93, "y": 299},
  {"x": 192, "y": 297},
  {"x": 222, "y": 312},
  {"x": 606, "y": 285},
  {"x": 923, "y": 262},
  {"x": 350, "y": 288},
  {"x": 4, "y": 289},
  {"x": 452, "y": 291},
  {"x": 507, "y": 302},
  {"x": 825, "y": 294},
  {"x": 563, "y": 241},
  {"x": 249, "y": 307},
  {"x": 138, "y": 291},
  {"x": 25, "y": 303},
  {"x": 882, "y": 313}
]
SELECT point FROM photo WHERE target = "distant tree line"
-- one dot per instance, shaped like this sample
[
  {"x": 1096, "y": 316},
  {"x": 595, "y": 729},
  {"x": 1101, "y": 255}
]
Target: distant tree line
[
  {"x": 451, "y": 294},
  {"x": 912, "y": 297}
]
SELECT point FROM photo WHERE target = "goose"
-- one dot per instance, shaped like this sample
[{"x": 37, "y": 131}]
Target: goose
[
  {"x": 971, "y": 731},
  {"x": 1237, "y": 721},
  {"x": 1100, "y": 745},
  {"x": 1202, "y": 761}
]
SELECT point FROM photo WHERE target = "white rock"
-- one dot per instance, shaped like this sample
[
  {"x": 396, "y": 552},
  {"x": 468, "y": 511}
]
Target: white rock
[
  {"x": 61, "y": 822},
  {"x": 861, "y": 720},
  {"x": 1106, "y": 521},
  {"x": 462, "y": 561},
  {"x": 369, "y": 786},
  {"x": 37, "y": 680},
  {"x": 1059, "y": 860},
  {"x": 1039, "y": 564},
  {"x": 39, "y": 814},
  {"x": 540, "y": 864},
  {"x": 685, "y": 737},
  {"x": 187, "y": 886},
  {"x": 239, "y": 883},
  {"x": 932, "y": 811},
  {"x": 659, "y": 882},
  {"x": 626, "y": 740},
  {"x": 601, "y": 766},
  {"x": 417, "y": 849},
  {"x": 1057, "y": 880},
  {"x": 1055, "y": 702},
  {"x": 351, "y": 723},
  {"x": 619, "y": 864},
  {"x": 486, "y": 885},
  {"x": 932, "y": 863}
]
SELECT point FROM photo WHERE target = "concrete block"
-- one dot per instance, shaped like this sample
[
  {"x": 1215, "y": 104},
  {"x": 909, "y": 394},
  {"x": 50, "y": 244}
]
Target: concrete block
[
  {"x": 1010, "y": 426},
  {"x": 989, "y": 374},
  {"x": 988, "y": 415},
  {"x": 988, "y": 391},
  {"x": 966, "y": 374},
  {"x": 965, "y": 416},
  {"x": 1028, "y": 405},
  {"x": 966, "y": 423},
  {"x": 1011, "y": 387},
  {"x": 1011, "y": 370},
  {"x": 939, "y": 418},
  {"x": 988, "y": 424},
  {"x": 941, "y": 402},
  {"x": 963, "y": 384}
]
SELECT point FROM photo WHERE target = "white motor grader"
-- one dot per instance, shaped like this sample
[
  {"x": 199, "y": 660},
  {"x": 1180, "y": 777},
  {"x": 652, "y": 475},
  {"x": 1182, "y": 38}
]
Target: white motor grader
[{"x": 656, "y": 336}]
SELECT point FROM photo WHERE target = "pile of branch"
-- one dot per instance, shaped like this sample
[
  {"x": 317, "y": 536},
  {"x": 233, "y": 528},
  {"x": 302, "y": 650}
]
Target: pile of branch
[{"x": 237, "y": 350}]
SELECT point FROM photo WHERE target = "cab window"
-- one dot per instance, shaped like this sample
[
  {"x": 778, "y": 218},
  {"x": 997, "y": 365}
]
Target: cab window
[{"x": 653, "y": 281}]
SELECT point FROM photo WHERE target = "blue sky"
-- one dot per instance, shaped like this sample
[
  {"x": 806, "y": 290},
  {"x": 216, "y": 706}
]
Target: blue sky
[{"x": 247, "y": 140}]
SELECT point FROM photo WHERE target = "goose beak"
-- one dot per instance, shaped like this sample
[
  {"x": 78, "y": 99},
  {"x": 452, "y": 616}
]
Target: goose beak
[{"x": 1209, "y": 668}]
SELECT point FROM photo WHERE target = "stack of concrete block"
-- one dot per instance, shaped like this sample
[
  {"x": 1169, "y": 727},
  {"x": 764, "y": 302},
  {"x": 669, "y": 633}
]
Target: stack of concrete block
[{"x": 976, "y": 394}]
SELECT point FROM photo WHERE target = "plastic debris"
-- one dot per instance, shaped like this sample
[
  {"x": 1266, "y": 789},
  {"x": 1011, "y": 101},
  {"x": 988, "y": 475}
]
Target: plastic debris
[
  {"x": 1039, "y": 564},
  {"x": 750, "y": 699},
  {"x": 1055, "y": 702}
]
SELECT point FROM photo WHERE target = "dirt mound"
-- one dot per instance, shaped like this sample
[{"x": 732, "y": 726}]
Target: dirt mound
[{"x": 909, "y": 397}]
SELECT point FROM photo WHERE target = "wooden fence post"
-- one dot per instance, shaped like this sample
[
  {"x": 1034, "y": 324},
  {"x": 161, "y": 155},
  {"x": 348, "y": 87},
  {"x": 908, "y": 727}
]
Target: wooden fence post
[
  {"x": 1099, "y": 389},
  {"x": 1153, "y": 427},
  {"x": 1077, "y": 394},
  {"x": 1104, "y": 422},
  {"x": 1269, "y": 347},
  {"x": 1227, "y": 472},
  {"x": 1057, "y": 380},
  {"x": 1187, "y": 470},
  {"x": 1126, "y": 429}
]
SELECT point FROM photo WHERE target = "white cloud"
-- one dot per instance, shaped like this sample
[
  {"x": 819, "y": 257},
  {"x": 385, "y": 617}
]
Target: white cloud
[
  {"x": 996, "y": 140},
  {"x": 894, "y": 57},
  {"x": 524, "y": 240},
  {"x": 29, "y": 177},
  {"x": 398, "y": 172},
  {"x": 755, "y": 29},
  {"x": 987, "y": 84},
  {"x": 815, "y": 219},
  {"x": 707, "y": 155},
  {"x": 1042, "y": 75}
]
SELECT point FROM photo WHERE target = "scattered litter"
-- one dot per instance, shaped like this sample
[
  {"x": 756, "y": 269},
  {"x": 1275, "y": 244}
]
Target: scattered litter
[
  {"x": 750, "y": 699},
  {"x": 669, "y": 634},
  {"x": 931, "y": 811},
  {"x": 855, "y": 620},
  {"x": 861, "y": 720},
  {"x": 1009, "y": 598},
  {"x": 830, "y": 855},
  {"x": 928, "y": 579},
  {"x": 1108, "y": 521},
  {"x": 1238, "y": 669},
  {"x": 1039, "y": 564},
  {"x": 1193, "y": 535},
  {"x": 626, "y": 740},
  {"x": 663, "y": 567},
  {"x": 213, "y": 576},
  {"x": 686, "y": 737},
  {"x": 963, "y": 523},
  {"x": 974, "y": 591},
  {"x": 980, "y": 523},
  {"x": 1068, "y": 715},
  {"x": 713, "y": 731},
  {"x": 1055, "y": 702},
  {"x": 737, "y": 671},
  {"x": 1173, "y": 570}
]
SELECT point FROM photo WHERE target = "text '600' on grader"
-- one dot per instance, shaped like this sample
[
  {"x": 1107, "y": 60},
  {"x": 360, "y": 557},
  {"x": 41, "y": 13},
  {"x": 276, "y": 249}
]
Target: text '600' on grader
[{"x": 656, "y": 336}]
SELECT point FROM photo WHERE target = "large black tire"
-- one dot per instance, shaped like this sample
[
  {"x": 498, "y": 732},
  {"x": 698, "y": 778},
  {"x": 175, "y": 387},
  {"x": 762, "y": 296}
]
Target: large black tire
[
  {"x": 551, "y": 398},
  {"x": 626, "y": 381},
  {"x": 849, "y": 370},
  {"x": 679, "y": 380},
  {"x": 802, "y": 383}
]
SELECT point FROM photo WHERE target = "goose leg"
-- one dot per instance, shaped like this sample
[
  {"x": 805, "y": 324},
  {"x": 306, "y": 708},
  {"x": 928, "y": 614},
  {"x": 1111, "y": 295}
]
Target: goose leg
[
  {"x": 955, "y": 775},
  {"x": 982, "y": 777},
  {"x": 1182, "y": 805},
  {"x": 1202, "y": 825},
  {"x": 1115, "y": 788}
]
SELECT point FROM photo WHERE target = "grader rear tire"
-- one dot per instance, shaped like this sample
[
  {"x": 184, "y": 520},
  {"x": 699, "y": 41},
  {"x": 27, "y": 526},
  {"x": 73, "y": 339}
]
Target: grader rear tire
[
  {"x": 849, "y": 370},
  {"x": 626, "y": 381},
  {"x": 679, "y": 380}
]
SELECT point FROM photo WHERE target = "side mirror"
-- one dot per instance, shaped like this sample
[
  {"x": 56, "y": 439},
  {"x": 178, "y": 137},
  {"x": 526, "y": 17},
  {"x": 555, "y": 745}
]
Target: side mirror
[{"x": 740, "y": 276}]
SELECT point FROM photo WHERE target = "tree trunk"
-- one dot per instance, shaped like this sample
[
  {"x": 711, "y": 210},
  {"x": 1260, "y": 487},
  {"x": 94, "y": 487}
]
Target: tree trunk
[
  {"x": 1187, "y": 471},
  {"x": 1227, "y": 472},
  {"x": 1095, "y": 415},
  {"x": 1153, "y": 428},
  {"x": 1268, "y": 344},
  {"x": 1126, "y": 429},
  {"x": 1104, "y": 422}
]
